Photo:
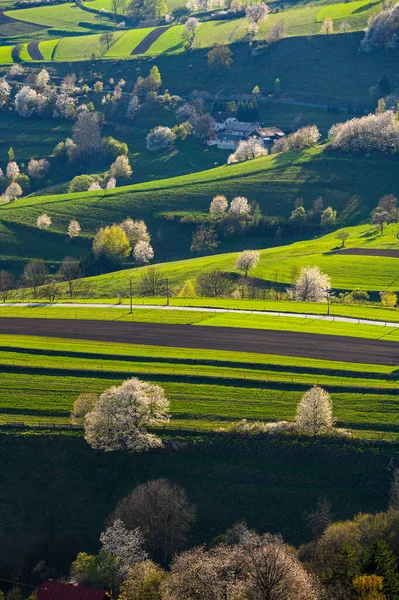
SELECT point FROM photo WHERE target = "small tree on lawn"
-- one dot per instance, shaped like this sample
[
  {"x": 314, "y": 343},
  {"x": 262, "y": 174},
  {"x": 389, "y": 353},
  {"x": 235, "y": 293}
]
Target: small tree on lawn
[
  {"x": 122, "y": 414},
  {"x": 314, "y": 413},
  {"x": 247, "y": 261},
  {"x": 121, "y": 168},
  {"x": 106, "y": 39},
  {"x": 327, "y": 26},
  {"x": 190, "y": 27},
  {"x": 69, "y": 272},
  {"x": 343, "y": 236},
  {"x": 112, "y": 244},
  {"x": 160, "y": 138}
]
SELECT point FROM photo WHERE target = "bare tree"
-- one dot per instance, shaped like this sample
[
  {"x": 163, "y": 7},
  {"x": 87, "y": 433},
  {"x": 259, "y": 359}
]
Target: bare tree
[
  {"x": 152, "y": 282},
  {"x": 70, "y": 270},
  {"x": 320, "y": 518},
  {"x": 34, "y": 275},
  {"x": 214, "y": 284},
  {"x": 7, "y": 283},
  {"x": 343, "y": 236},
  {"x": 161, "y": 509},
  {"x": 205, "y": 239}
]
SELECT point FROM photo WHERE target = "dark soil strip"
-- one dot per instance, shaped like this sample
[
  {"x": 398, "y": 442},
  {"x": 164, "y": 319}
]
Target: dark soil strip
[
  {"x": 147, "y": 42},
  {"x": 287, "y": 343},
  {"x": 370, "y": 252},
  {"x": 34, "y": 52}
]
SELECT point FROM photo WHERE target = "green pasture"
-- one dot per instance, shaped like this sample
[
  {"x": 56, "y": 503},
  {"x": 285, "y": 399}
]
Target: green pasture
[
  {"x": 41, "y": 378},
  {"x": 127, "y": 42},
  {"x": 356, "y": 311},
  {"x": 60, "y": 16},
  {"x": 352, "y": 185},
  {"x": 373, "y": 273},
  {"x": 169, "y": 42},
  {"x": 47, "y": 48},
  {"x": 5, "y": 54},
  {"x": 81, "y": 48}
]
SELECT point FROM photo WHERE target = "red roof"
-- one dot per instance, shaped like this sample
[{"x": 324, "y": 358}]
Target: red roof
[{"x": 51, "y": 590}]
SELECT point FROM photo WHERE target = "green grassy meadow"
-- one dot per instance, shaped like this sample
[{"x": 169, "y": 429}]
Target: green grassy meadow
[
  {"x": 352, "y": 185},
  {"x": 372, "y": 273}
]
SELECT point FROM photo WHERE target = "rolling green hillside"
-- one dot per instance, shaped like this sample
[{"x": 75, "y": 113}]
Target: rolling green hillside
[
  {"x": 373, "y": 273},
  {"x": 352, "y": 185}
]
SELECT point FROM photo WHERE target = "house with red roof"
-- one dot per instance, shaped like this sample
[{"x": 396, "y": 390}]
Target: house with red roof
[{"x": 52, "y": 590}]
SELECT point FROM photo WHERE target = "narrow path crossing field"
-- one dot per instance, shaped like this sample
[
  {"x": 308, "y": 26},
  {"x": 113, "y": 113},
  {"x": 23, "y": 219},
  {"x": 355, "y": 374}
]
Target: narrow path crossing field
[{"x": 286, "y": 343}]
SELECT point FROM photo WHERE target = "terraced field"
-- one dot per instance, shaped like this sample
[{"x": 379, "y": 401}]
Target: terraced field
[
  {"x": 208, "y": 389},
  {"x": 126, "y": 44}
]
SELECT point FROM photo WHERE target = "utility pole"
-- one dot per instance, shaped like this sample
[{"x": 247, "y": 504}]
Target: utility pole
[
  {"x": 131, "y": 296},
  {"x": 167, "y": 292},
  {"x": 328, "y": 300}
]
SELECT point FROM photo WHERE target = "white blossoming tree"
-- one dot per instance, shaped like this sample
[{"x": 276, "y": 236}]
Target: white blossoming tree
[
  {"x": 143, "y": 252},
  {"x": 160, "y": 138},
  {"x": 372, "y": 132},
  {"x": 247, "y": 261},
  {"x": 136, "y": 231},
  {"x": 247, "y": 150},
  {"x": 13, "y": 192},
  {"x": 36, "y": 168},
  {"x": 312, "y": 285},
  {"x": 133, "y": 107},
  {"x": 126, "y": 546},
  {"x": 74, "y": 229},
  {"x": 121, "y": 167},
  {"x": 43, "y": 221},
  {"x": 240, "y": 206},
  {"x": 218, "y": 206},
  {"x": 94, "y": 186},
  {"x": 12, "y": 170},
  {"x": 122, "y": 414},
  {"x": 111, "y": 183},
  {"x": 314, "y": 413},
  {"x": 5, "y": 91}
]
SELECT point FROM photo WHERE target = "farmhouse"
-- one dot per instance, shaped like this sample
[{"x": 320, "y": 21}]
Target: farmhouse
[
  {"x": 52, "y": 590},
  {"x": 230, "y": 132}
]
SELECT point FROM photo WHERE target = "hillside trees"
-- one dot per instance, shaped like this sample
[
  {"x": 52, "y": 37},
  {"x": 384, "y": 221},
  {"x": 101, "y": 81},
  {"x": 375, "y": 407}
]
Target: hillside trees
[
  {"x": 143, "y": 252},
  {"x": 43, "y": 221},
  {"x": 86, "y": 135},
  {"x": 7, "y": 284},
  {"x": 305, "y": 137},
  {"x": 74, "y": 229},
  {"x": 70, "y": 270},
  {"x": 34, "y": 275},
  {"x": 122, "y": 414},
  {"x": 5, "y": 91},
  {"x": 121, "y": 169},
  {"x": 386, "y": 211},
  {"x": 160, "y": 138},
  {"x": 124, "y": 545},
  {"x": 365, "y": 134},
  {"x": 166, "y": 508},
  {"x": 220, "y": 57},
  {"x": 143, "y": 582},
  {"x": 204, "y": 239},
  {"x": 383, "y": 30},
  {"x": 218, "y": 206}
]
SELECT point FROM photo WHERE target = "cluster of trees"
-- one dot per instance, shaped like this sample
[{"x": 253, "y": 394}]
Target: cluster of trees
[
  {"x": 38, "y": 280},
  {"x": 114, "y": 244},
  {"x": 372, "y": 132},
  {"x": 16, "y": 181},
  {"x": 386, "y": 211},
  {"x": 324, "y": 218},
  {"x": 383, "y": 29},
  {"x": 305, "y": 137},
  {"x": 244, "y": 110}
]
